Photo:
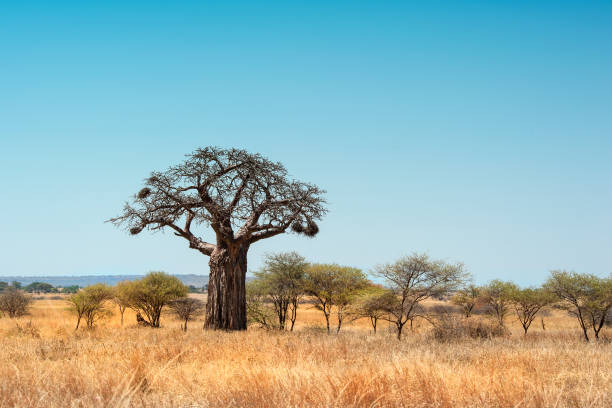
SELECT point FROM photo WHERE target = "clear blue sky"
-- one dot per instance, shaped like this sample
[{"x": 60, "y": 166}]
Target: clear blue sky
[{"x": 476, "y": 131}]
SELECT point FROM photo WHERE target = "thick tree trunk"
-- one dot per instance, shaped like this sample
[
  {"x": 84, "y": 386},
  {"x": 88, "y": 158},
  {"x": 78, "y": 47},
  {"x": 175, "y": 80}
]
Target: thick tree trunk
[{"x": 226, "y": 305}]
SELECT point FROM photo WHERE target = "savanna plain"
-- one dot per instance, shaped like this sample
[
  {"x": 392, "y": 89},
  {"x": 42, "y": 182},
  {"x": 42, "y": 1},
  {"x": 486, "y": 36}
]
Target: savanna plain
[{"x": 44, "y": 362}]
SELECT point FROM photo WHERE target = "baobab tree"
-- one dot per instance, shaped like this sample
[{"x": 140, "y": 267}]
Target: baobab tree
[{"x": 243, "y": 198}]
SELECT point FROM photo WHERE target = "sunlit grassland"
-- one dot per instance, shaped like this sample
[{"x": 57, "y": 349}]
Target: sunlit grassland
[{"x": 45, "y": 363}]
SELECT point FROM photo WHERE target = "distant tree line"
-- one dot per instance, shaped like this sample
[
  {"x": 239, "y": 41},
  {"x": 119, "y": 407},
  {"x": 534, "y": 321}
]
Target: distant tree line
[
  {"x": 39, "y": 287},
  {"x": 344, "y": 294}
]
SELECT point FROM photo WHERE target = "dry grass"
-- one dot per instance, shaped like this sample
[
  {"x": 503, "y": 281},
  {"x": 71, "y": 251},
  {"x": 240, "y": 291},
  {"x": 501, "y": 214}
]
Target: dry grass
[{"x": 47, "y": 364}]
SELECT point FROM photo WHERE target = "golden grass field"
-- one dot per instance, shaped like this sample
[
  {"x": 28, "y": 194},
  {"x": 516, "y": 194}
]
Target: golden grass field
[{"x": 47, "y": 364}]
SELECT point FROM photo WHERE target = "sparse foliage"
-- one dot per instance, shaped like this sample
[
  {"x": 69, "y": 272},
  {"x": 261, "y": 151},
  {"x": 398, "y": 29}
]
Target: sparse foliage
[
  {"x": 414, "y": 279},
  {"x": 282, "y": 279},
  {"x": 333, "y": 285},
  {"x": 449, "y": 328},
  {"x": 374, "y": 304},
  {"x": 258, "y": 312},
  {"x": 586, "y": 296},
  {"x": 121, "y": 297},
  {"x": 467, "y": 298},
  {"x": 497, "y": 296},
  {"x": 186, "y": 309},
  {"x": 528, "y": 302},
  {"x": 14, "y": 302},
  {"x": 89, "y": 304},
  {"x": 243, "y": 198}
]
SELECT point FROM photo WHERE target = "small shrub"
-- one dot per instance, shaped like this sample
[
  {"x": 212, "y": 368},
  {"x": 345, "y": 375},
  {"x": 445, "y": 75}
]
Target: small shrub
[
  {"x": 452, "y": 328},
  {"x": 25, "y": 330},
  {"x": 14, "y": 302}
]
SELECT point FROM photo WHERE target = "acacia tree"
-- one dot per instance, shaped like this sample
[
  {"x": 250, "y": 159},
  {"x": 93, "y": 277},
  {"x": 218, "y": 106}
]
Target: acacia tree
[
  {"x": 468, "y": 298},
  {"x": 586, "y": 296},
  {"x": 352, "y": 282},
  {"x": 333, "y": 285},
  {"x": 121, "y": 297},
  {"x": 89, "y": 303},
  {"x": 528, "y": 302},
  {"x": 282, "y": 279},
  {"x": 243, "y": 198},
  {"x": 374, "y": 304},
  {"x": 414, "y": 279},
  {"x": 152, "y": 293},
  {"x": 186, "y": 309},
  {"x": 497, "y": 295}
]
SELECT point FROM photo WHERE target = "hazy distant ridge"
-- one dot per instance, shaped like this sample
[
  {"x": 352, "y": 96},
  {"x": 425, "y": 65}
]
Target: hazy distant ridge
[{"x": 195, "y": 280}]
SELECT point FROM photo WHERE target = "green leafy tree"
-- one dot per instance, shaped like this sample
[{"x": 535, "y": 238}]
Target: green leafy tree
[
  {"x": 121, "y": 297},
  {"x": 333, "y": 285},
  {"x": 528, "y": 302},
  {"x": 586, "y": 296},
  {"x": 70, "y": 289},
  {"x": 90, "y": 304},
  {"x": 374, "y": 303},
  {"x": 413, "y": 279},
  {"x": 497, "y": 295},
  {"x": 3, "y": 286},
  {"x": 282, "y": 279},
  {"x": 152, "y": 293},
  {"x": 259, "y": 312},
  {"x": 467, "y": 298},
  {"x": 193, "y": 289},
  {"x": 40, "y": 287},
  {"x": 352, "y": 282},
  {"x": 78, "y": 305}
]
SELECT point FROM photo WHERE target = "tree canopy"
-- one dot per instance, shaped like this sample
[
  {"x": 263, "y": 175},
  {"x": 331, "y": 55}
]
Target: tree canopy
[
  {"x": 414, "y": 279},
  {"x": 241, "y": 196},
  {"x": 152, "y": 293}
]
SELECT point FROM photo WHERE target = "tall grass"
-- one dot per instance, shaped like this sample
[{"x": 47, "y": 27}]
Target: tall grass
[{"x": 50, "y": 365}]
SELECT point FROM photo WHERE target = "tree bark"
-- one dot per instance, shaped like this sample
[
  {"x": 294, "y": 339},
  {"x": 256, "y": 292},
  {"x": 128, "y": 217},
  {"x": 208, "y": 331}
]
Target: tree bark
[
  {"x": 226, "y": 305},
  {"x": 583, "y": 325},
  {"x": 293, "y": 316},
  {"x": 327, "y": 320},
  {"x": 400, "y": 326}
]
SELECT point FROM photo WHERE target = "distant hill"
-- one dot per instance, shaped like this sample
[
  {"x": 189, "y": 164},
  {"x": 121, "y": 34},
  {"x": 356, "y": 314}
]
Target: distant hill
[{"x": 63, "y": 281}]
